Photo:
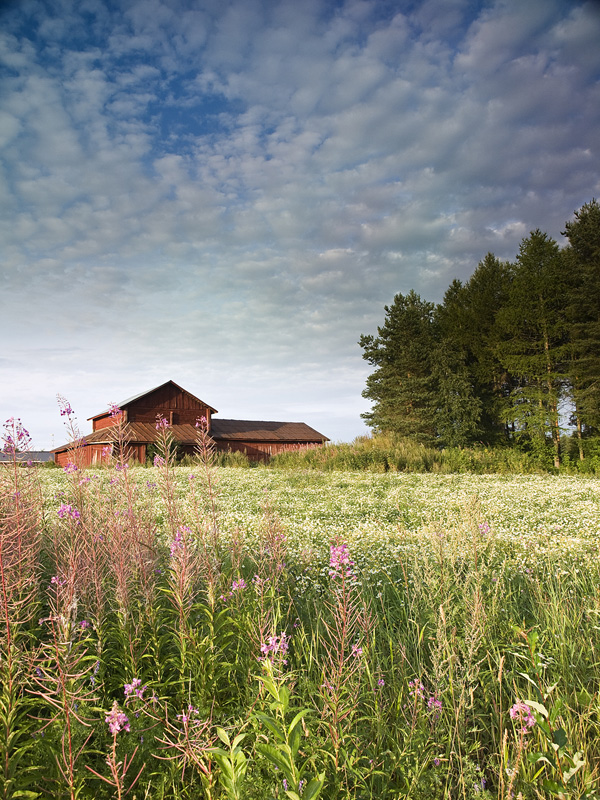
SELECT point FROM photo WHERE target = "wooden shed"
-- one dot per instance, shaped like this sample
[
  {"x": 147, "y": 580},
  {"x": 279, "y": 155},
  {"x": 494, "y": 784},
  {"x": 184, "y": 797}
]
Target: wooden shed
[{"x": 258, "y": 439}]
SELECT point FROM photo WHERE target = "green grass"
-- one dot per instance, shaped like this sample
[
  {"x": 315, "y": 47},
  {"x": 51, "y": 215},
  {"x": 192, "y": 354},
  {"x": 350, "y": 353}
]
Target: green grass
[{"x": 468, "y": 593}]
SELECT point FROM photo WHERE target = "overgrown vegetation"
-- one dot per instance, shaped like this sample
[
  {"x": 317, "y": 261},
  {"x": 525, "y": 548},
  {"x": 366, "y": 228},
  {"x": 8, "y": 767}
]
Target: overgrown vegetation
[
  {"x": 391, "y": 452},
  {"x": 181, "y": 633}
]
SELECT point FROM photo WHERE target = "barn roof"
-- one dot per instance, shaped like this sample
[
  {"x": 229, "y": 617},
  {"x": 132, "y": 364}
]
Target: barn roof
[
  {"x": 260, "y": 431},
  {"x": 220, "y": 430},
  {"x": 122, "y": 405}
]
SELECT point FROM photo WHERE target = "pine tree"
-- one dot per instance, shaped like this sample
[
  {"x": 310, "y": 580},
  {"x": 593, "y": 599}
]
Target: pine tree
[
  {"x": 402, "y": 387},
  {"x": 467, "y": 319},
  {"x": 535, "y": 349},
  {"x": 583, "y": 311}
]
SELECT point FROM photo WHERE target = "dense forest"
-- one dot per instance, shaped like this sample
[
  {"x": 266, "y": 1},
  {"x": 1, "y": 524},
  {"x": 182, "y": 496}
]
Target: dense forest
[{"x": 511, "y": 357}]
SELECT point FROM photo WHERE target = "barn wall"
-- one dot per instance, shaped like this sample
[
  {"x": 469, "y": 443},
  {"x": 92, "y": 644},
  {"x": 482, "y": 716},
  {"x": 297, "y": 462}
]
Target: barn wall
[{"x": 96, "y": 454}]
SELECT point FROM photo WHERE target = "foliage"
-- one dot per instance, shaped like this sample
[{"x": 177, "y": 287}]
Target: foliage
[
  {"x": 212, "y": 632},
  {"x": 503, "y": 356}
]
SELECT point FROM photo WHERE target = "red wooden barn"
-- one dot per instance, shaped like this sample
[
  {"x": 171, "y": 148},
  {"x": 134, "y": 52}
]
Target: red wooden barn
[{"x": 258, "y": 440}]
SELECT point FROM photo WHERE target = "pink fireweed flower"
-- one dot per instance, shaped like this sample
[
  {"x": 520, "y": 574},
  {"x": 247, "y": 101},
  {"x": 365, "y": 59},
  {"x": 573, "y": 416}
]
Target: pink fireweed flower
[
  {"x": 435, "y": 706},
  {"x": 416, "y": 690},
  {"x": 70, "y": 468},
  {"x": 115, "y": 411},
  {"x": 357, "y": 651},
  {"x": 134, "y": 689},
  {"x": 162, "y": 423},
  {"x": 178, "y": 542},
  {"x": 67, "y": 511},
  {"x": 117, "y": 720},
  {"x": 202, "y": 422},
  {"x": 56, "y": 581},
  {"x": 238, "y": 586},
  {"x": 339, "y": 561},
  {"x": 185, "y": 716},
  {"x": 521, "y": 712},
  {"x": 275, "y": 646},
  {"x": 159, "y": 461}
]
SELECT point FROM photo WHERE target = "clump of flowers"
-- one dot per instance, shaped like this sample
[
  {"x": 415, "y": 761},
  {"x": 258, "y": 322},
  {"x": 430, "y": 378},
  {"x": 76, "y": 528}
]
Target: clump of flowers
[
  {"x": 275, "y": 647},
  {"x": 66, "y": 511},
  {"x": 521, "y": 714},
  {"x": 16, "y": 438},
  {"x": 133, "y": 690},
  {"x": 117, "y": 720},
  {"x": 162, "y": 423},
  {"x": 70, "y": 468},
  {"x": 339, "y": 561}
]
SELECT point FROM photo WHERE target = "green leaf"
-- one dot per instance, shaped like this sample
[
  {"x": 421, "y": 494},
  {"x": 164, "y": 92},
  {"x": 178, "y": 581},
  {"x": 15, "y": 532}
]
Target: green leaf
[
  {"x": 539, "y": 707},
  {"x": 560, "y": 738},
  {"x": 313, "y": 789}
]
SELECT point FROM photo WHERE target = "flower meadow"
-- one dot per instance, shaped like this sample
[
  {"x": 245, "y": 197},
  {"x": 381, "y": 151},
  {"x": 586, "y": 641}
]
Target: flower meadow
[{"x": 211, "y": 632}]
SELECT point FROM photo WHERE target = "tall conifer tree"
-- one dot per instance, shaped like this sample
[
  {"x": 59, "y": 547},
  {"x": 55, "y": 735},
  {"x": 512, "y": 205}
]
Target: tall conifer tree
[
  {"x": 402, "y": 387},
  {"x": 534, "y": 323}
]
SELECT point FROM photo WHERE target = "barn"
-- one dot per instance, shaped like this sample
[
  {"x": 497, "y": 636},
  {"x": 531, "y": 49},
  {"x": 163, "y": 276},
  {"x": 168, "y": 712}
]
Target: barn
[{"x": 257, "y": 439}]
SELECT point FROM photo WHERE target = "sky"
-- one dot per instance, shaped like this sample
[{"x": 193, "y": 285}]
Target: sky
[{"x": 226, "y": 193}]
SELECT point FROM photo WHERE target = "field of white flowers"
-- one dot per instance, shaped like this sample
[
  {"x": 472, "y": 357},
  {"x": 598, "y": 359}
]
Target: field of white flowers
[
  {"x": 383, "y": 517},
  {"x": 185, "y": 633}
]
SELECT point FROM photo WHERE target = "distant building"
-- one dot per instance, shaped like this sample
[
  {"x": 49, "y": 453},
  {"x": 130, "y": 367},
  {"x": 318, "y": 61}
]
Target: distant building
[
  {"x": 258, "y": 440},
  {"x": 32, "y": 456}
]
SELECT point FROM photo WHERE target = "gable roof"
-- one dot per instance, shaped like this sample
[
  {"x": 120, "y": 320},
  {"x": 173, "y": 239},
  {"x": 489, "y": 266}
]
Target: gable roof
[
  {"x": 261, "y": 431},
  {"x": 135, "y": 397},
  {"x": 220, "y": 430}
]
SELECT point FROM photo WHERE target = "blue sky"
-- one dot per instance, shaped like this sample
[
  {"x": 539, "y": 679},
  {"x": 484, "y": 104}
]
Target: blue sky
[{"x": 227, "y": 192}]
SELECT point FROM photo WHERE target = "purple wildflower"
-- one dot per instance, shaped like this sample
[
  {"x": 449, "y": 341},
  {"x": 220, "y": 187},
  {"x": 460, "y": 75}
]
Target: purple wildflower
[
  {"x": 133, "y": 688},
  {"x": 357, "y": 650},
  {"x": 275, "y": 645},
  {"x": 70, "y": 468},
  {"x": 117, "y": 720},
  {"x": 159, "y": 461},
  {"x": 161, "y": 423},
  {"x": 339, "y": 561},
  {"x": 521, "y": 712},
  {"x": 65, "y": 510}
]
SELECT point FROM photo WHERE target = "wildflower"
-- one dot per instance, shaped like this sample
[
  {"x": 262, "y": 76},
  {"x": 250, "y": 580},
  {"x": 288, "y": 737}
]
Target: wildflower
[
  {"x": 178, "y": 542},
  {"x": 339, "y": 560},
  {"x": 191, "y": 712},
  {"x": 161, "y": 423},
  {"x": 117, "y": 720},
  {"x": 435, "y": 706},
  {"x": 85, "y": 624},
  {"x": 66, "y": 510},
  {"x": 381, "y": 683},
  {"x": 159, "y": 461},
  {"x": 357, "y": 651},
  {"x": 115, "y": 411},
  {"x": 416, "y": 690},
  {"x": 237, "y": 586},
  {"x": 70, "y": 468},
  {"x": 275, "y": 645},
  {"x": 57, "y": 581},
  {"x": 521, "y": 712},
  {"x": 133, "y": 688}
]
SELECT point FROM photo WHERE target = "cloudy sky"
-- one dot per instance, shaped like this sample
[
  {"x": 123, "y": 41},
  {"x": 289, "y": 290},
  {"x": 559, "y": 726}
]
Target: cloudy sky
[{"x": 226, "y": 193}]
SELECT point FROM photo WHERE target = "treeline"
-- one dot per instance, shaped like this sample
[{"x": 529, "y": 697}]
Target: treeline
[{"x": 508, "y": 358}]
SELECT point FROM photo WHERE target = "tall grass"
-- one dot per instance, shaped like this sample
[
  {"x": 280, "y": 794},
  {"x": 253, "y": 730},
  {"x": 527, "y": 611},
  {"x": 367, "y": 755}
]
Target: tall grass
[
  {"x": 387, "y": 452},
  {"x": 145, "y": 655}
]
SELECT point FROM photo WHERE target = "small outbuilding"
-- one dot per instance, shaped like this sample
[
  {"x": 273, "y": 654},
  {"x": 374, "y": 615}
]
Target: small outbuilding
[{"x": 257, "y": 439}]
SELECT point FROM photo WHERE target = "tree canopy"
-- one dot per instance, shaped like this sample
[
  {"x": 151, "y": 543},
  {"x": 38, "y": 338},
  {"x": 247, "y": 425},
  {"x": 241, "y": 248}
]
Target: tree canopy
[{"x": 504, "y": 354}]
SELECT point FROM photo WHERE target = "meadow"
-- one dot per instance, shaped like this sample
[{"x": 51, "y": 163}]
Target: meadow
[{"x": 212, "y": 632}]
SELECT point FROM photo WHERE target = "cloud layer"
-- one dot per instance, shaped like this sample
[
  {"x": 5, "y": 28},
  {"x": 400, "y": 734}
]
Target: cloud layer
[{"x": 227, "y": 193}]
